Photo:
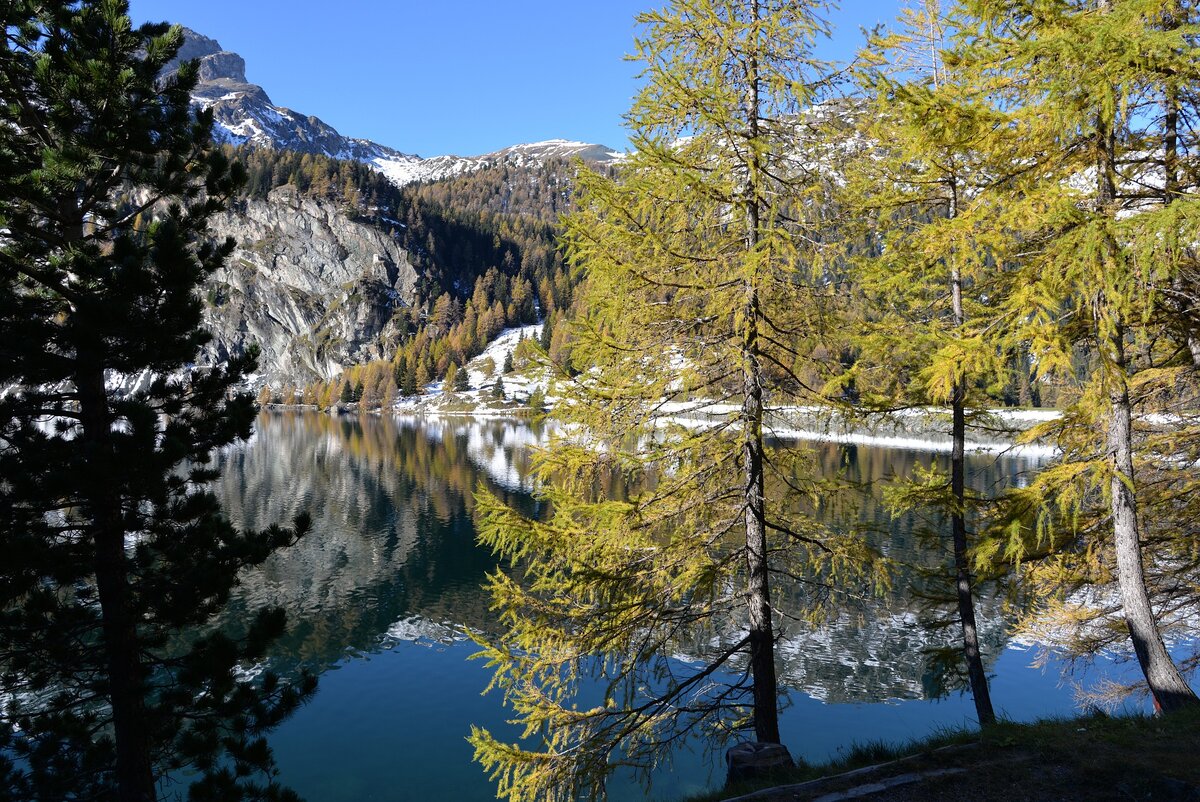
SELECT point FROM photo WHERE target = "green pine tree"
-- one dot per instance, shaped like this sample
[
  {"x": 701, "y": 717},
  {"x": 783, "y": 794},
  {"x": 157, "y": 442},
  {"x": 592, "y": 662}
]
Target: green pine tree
[
  {"x": 546, "y": 335},
  {"x": 115, "y": 554},
  {"x": 399, "y": 370},
  {"x": 537, "y": 399},
  {"x": 462, "y": 380},
  {"x": 408, "y": 382},
  {"x": 508, "y": 362}
]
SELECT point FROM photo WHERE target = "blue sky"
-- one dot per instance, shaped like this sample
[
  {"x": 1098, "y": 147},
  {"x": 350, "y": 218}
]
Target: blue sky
[{"x": 450, "y": 76}]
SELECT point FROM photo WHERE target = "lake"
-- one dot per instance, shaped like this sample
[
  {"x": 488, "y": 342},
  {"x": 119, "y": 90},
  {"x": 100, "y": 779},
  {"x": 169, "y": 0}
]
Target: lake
[{"x": 382, "y": 591}]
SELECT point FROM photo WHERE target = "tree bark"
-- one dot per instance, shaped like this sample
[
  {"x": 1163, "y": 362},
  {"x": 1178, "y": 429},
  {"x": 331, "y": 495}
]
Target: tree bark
[
  {"x": 958, "y": 525},
  {"x": 122, "y": 652},
  {"x": 1169, "y": 688},
  {"x": 1172, "y": 189},
  {"x": 962, "y": 569},
  {"x": 1028, "y": 394},
  {"x": 134, "y": 769},
  {"x": 964, "y": 593},
  {"x": 1167, "y": 685},
  {"x": 1024, "y": 388},
  {"x": 758, "y": 590}
]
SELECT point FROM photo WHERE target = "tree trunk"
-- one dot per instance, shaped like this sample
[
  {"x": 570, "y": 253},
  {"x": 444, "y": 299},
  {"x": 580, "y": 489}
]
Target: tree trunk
[
  {"x": 1167, "y": 685},
  {"x": 958, "y": 524},
  {"x": 964, "y": 593},
  {"x": 1170, "y": 690},
  {"x": 1028, "y": 394},
  {"x": 1186, "y": 315},
  {"x": 962, "y": 569},
  {"x": 1024, "y": 388},
  {"x": 134, "y": 771},
  {"x": 758, "y": 590}
]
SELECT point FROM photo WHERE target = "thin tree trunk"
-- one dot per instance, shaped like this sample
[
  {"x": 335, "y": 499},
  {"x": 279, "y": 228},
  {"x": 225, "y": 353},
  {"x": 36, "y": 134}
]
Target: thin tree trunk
[
  {"x": 978, "y": 677},
  {"x": 1169, "y": 688},
  {"x": 958, "y": 515},
  {"x": 134, "y": 771},
  {"x": 1193, "y": 341},
  {"x": 962, "y": 569},
  {"x": 1024, "y": 386},
  {"x": 1171, "y": 190},
  {"x": 1027, "y": 392},
  {"x": 758, "y": 591}
]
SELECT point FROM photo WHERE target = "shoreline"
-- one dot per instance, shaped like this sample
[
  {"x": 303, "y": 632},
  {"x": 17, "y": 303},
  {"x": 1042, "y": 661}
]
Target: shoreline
[{"x": 909, "y": 429}]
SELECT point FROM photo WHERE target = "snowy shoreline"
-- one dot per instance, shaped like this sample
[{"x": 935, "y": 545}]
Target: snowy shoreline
[
  {"x": 992, "y": 431},
  {"x": 788, "y": 424}
]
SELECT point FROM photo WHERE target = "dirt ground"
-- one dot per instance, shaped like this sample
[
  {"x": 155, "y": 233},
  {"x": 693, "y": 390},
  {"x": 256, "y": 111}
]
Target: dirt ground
[{"x": 1088, "y": 759}]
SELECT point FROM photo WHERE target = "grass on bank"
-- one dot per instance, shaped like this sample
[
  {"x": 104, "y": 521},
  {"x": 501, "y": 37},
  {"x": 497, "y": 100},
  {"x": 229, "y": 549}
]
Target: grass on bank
[{"x": 1092, "y": 757}]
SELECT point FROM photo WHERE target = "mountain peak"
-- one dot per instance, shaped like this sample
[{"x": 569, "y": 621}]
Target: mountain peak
[
  {"x": 244, "y": 114},
  {"x": 216, "y": 63}
]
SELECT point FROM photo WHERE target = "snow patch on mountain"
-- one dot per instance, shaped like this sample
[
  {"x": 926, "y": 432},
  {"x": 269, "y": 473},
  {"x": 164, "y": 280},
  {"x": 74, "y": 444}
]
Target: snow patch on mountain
[{"x": 505, "y": 343}]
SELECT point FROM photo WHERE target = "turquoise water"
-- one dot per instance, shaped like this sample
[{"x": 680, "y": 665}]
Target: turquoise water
[
  {"x": 392, "y": 726},
  {"x": 380, "y": 594}
]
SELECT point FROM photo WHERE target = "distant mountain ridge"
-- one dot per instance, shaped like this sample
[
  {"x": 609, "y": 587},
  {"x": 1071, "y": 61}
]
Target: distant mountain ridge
[{"x": 244, "y": 114}]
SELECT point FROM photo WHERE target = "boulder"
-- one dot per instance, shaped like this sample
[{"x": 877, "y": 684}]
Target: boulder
[{"x": 755, "y": 759}]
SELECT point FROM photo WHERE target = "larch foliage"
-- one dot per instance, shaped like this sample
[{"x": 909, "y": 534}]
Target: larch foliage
[
  {"x": 929, "y": 288},
  {"x": 1100, "y": 209},
  {"x": 704, "y": 288}
]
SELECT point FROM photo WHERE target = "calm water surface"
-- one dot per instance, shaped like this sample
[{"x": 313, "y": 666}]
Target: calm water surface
[{"x": 381, "y": 593}]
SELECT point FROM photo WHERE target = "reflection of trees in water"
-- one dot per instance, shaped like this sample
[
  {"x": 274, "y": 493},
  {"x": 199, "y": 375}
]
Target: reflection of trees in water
[
  {"x": 893, "y": 647},
  {"x": 392, "y": 538},
  {"x": 393, "y": 544}
]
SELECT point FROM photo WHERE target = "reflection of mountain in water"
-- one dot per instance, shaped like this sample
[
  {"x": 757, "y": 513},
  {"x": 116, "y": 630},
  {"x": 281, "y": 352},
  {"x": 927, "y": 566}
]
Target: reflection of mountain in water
[
  {"x": 392, "y": 554},
  {"x": 392, "y": 537}
]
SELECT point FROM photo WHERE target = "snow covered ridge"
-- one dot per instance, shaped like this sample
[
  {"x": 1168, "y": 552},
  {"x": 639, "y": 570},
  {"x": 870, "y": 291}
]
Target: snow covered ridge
[
  {"x": 411, "y": 169},
  {"x": 477, "y": 400},
  {"x": 244, "y": 114}
]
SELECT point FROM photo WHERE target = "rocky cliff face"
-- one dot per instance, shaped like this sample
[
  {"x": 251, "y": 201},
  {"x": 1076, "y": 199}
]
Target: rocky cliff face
[{"x": 315, "y": 290}]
